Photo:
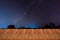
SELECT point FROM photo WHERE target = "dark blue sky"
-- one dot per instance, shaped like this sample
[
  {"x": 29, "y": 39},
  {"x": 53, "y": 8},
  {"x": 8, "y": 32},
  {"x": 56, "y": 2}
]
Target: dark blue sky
[{"x": 26, "y": 12}]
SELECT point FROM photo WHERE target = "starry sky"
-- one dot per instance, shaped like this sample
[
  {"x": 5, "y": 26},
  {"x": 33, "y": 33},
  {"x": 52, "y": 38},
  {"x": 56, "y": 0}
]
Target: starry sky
[{"x": 28, "y": 12}]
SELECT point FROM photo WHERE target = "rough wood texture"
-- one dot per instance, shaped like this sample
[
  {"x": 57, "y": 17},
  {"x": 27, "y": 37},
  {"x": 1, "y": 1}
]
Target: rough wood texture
[{"x": 29, "y": 34}]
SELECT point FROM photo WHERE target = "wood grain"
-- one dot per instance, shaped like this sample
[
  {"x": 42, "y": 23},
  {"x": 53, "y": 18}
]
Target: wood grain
[{"x": 29, "y": 34}]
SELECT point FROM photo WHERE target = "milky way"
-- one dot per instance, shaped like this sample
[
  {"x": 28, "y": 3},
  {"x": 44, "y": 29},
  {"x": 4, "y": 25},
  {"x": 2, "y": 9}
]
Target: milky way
[{"x": 26, "y": 12}]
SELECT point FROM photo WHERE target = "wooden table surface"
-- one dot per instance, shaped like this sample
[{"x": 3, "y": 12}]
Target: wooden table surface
[{"x": 29, "y": 34}]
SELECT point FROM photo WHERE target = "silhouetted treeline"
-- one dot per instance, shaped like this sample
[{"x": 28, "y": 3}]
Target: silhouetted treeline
[
  {"x": 47, "y": 26},
  {"x": 11, "y": 27},
  {"x": 51, "y": 26}
]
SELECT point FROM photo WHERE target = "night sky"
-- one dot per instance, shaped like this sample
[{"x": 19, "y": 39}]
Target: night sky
[{"x": 29, "y": 12}]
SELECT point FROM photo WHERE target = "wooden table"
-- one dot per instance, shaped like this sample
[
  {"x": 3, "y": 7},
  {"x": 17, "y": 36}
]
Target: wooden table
[{"x": 29, "y": 34}]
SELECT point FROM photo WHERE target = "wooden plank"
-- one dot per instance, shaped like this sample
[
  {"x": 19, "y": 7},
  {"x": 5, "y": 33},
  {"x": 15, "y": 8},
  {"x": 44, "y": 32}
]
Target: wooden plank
[{"x": 29, "y": 34}]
